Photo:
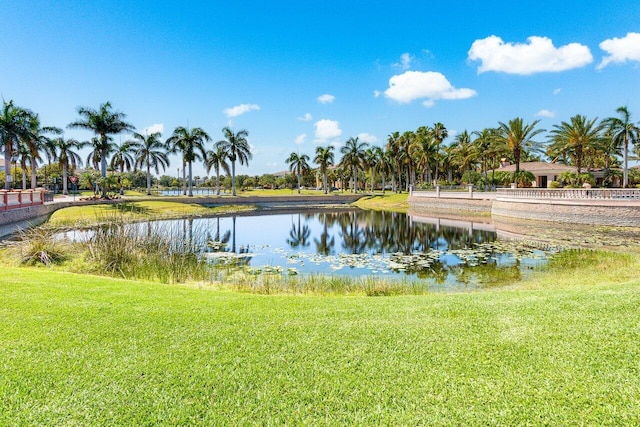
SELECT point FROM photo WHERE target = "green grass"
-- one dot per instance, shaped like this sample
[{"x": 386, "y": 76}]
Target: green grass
[
  {"x": 388, "y": 202},
  {"x": 91, "y": 214},
  {"x": 83, "y": 350}
]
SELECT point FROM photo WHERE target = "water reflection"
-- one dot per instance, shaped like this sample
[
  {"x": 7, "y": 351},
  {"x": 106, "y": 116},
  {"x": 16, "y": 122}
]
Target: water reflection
[{"x": 355, "y": 242}]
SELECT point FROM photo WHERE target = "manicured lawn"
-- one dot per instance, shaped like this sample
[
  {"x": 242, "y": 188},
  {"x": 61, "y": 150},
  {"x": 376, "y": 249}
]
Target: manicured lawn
[
  {"x": 83, "y": 350},
  {"x": 89, "y": 214},
  {"x": 388, "y": 202}
]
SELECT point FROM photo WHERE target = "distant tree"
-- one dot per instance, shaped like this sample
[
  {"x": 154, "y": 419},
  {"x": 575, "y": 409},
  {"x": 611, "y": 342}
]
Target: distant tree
[
  {"x": 102, "y": 122},
  {"x": 151, "y": 152},
  {"x": 68, "y": 156},
  {"x": 324, "y": 159},
  {"x": 353, "y": 157},
  {"x": 439, "y": 133},
  {"x": 217, "y": 159},
  {"x": 298, "y": 165},
  {"x": 575, "y": 139},
  {"x": 236, "y": 147},
  {"x": 519, "y": 138},
  {"x": 190, "y": 142},
  {"x": 14, "y": 125},
  {"x": 624, "y": 132}
]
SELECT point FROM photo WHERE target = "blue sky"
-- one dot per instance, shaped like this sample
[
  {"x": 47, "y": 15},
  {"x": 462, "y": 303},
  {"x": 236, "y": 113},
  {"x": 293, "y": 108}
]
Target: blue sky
[{"x": 296, "y": 74}]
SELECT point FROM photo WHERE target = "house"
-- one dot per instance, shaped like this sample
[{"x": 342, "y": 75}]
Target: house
[{"x": 543, "y": 171}]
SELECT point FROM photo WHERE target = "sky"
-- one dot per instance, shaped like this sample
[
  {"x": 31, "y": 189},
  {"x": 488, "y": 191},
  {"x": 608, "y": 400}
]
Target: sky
[{"x": 298, "y": 74}]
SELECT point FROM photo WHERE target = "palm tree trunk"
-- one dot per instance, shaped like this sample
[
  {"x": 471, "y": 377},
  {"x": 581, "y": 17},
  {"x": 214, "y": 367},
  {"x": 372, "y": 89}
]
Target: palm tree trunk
[
  {"x": 324, "y": 181},
  {"x": 7, "y": 163},
  {"x": 184, "y": 178},
  {"x": 34, "y": 183},
  {"x": 23, "y": 166},
  {"x": 625, "y": 164},
  {"x": 65, "y": 172},
  {"x": 355, "y": 178},
  {"x": 298, "y": 179},
  {"x": 148, "y": 178},
  {"x": 217, "y": 181},
  {"x": 233, "y": 177},
  {"x": 190, "y": 181}
]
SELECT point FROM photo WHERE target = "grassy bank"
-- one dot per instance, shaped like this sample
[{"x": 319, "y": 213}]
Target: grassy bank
[
  {"x": 388, "y": 202},
  {"x": 140, "y": 210},
  {"x": 84, "y": 350}
]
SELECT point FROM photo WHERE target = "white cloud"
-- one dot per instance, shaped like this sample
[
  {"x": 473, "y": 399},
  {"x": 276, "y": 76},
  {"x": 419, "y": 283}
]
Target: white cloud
[
  {"x": 557, "y": 91},
  {"x": 546, "y": 113},
  {"x": 306, "y": 118},
  {"x": 621, "y": 50},
  {"x": 431, "y": 85},
  {"x": 157, "y": 127},
  {"x": 300, "y": 138},
  {"x": 536, "y": 56},
  {"x": 240, "y": 109},
  {"x": 327, "y": 130},
  {"x": 368, "y": 138},
  {"x": 405, "y": 61},
  {"x": 326, "y": 99}
]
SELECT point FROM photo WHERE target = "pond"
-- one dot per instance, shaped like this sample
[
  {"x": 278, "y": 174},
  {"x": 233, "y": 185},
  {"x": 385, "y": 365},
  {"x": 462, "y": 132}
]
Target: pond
[{"x": 354, "y": 242}]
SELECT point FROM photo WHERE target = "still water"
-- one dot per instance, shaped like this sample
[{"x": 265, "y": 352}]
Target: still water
[{"x": 357, "y": 243}]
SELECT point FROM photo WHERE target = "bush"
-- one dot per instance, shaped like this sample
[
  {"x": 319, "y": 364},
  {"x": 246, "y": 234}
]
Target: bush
[
  {"x": 41, "y": 246},
  {"x": 553, "y": 184}
]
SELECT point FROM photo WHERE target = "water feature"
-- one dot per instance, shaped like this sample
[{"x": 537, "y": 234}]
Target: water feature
[{"x": 356, "y": 243}]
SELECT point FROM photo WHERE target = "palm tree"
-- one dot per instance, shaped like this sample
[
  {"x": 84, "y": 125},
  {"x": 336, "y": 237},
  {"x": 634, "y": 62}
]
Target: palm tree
[
  {"x": 14, "y": 125},
  {"x": 236, "y": 147},
  {"x": 324, "y": 159},
  {"x": 439, "y": 134},
  {"x": 68, "y": 157},
  {"x": 482, "y": 144},
  {"x": 298, "y": 165},
  {"x": 353, "y": 157},
  {"x": 36, "y": 142},
  {"x": 102, "y": 122},
  {"x": 575, "y": 139},
  {"x": 22, "y": 154},
  {"x": 465, "y": 153},
  {"x": 189, "y": 142},
  {"x": 373, "y": 159},
  {"x": 393, "y": 155},
  {"x": 123, "y": 156},
  {"x": 217, "y": 159},
  {"x": 623, "y": 132},
  {"x": 519, "y": 138},
  {"x": 151, "y": 152}
]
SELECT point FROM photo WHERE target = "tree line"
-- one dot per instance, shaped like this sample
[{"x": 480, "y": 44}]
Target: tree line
[
  {"x": 420, "y": 157},
  {"x": 410, "y": 158}
]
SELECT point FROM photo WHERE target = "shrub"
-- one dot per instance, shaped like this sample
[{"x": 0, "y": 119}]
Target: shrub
[
  {"x": 553, "y": 184},
  {"x": 41, "y": 246}
]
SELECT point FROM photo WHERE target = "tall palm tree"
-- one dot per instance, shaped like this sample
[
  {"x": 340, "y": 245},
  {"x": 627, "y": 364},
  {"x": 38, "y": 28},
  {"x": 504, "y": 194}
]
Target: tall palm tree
[
  {"x": 575, "y": 139},
  {"x": 324, "y": 159},
  {"x": 151, "y": 153},
  {"x": 298, "y": 165},
  {"x": 623, "y": 131},
  {"x": 393, "y": 155},
  {"x": 67, "y": 156},
  {"x": 123, "y": 158},
  {"x": 217, "y": 159},
  {"x": 191, "y": 143},
  {"x": 465, "y": 153},
  {"x": 519, "y": 138},
  {"x": 36, "y": 142},
  {"x": 482, "y": 145},
  {"x": 102, "y": 122},
  {"x": 353, "y": 157},
  {"x": 236, "y": 146},
  {"x": 14, "y": 125},
  {"x": 439, "y": 133},
  {"x": 373, "y": 159}
]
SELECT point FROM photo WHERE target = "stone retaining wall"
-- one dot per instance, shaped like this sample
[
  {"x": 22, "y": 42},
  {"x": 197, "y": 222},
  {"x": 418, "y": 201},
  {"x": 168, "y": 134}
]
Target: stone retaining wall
[
  {"x": 451, "y": 205},
  {"x": 621, "y": 214}
]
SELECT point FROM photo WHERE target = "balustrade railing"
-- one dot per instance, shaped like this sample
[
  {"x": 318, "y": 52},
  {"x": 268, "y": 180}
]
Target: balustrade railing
[
  {"x": 571, "y": 193},
  {"x": 20, "y": 198}
]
